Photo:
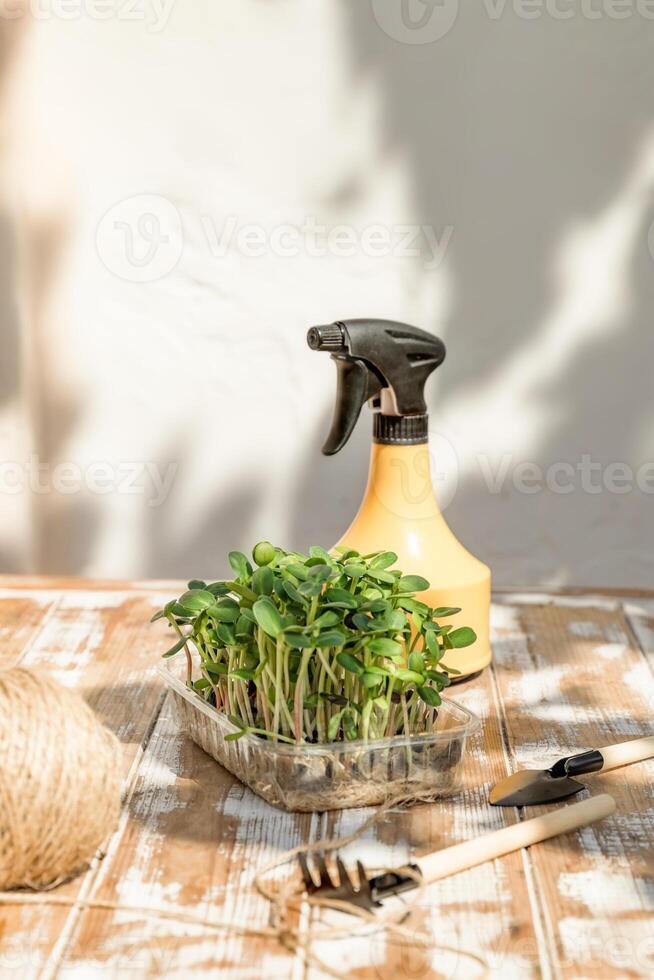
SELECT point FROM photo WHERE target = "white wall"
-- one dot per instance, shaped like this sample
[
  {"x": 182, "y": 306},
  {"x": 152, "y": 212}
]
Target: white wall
[{"x": 524, "y": 146}]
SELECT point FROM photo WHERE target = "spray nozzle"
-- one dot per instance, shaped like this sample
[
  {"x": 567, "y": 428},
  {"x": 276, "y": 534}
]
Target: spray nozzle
[{"x": 379, "y": 361}]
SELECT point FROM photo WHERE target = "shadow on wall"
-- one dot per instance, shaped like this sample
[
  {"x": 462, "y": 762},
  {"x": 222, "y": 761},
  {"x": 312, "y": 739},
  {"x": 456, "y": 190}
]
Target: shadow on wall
[
  {"x": 530, "y": 139},
  {"x": 517, "y": 136},
  {"x": 63, "y": 528},
  {"x": 11, "y": 34},
  {"x": 201, "y": 553}
]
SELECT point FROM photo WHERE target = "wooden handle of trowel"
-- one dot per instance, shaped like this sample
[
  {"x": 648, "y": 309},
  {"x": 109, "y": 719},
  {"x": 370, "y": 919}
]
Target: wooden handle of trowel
[
  {"x": 627, "y": 752},
  {"x": 473, "y": 852}
]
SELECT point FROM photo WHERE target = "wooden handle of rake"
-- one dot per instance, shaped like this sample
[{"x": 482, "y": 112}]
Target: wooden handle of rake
[{"x": 470, "y": 853}]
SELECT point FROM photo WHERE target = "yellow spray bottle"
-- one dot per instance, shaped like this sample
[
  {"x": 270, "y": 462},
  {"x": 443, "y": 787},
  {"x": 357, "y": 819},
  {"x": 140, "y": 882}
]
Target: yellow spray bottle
[{"x": 387, "y": 364}]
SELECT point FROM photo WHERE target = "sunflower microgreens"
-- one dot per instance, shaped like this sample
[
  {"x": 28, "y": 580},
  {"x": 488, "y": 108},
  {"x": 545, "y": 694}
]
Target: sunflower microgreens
[{"x": 316, "y": 648}]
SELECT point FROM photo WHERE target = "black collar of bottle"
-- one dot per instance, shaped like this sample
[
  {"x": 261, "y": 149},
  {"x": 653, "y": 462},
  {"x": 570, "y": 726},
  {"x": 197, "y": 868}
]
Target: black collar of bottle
[{"x": 400, "y": 430}]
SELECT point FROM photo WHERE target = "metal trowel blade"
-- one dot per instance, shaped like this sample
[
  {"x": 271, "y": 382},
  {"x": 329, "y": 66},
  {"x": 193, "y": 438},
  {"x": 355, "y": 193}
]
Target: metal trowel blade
[{"x": 531, "y": 787}]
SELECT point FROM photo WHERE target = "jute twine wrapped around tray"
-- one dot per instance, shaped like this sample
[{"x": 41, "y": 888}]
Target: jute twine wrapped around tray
[{"x": 60, "y": 781}]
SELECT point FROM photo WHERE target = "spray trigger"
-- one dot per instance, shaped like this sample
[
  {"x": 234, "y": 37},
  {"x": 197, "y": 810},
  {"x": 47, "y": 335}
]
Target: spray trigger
[
  {"x": 356, "y": 383},
  {"x": 384, "y": 363}
]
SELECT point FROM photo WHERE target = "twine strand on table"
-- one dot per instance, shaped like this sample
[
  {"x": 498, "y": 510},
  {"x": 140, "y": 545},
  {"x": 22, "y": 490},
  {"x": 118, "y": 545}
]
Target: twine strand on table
[{"x": 286, "y": 901}]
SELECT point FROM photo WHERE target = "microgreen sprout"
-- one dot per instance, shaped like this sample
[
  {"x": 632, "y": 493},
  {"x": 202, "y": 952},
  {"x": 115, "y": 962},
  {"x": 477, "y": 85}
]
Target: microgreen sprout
[{"x": 316, "y": 648}]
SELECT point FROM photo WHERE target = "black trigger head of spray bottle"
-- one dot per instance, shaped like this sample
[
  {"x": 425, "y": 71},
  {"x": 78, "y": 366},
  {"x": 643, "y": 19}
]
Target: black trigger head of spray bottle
[{"x": 382, "y": 362}]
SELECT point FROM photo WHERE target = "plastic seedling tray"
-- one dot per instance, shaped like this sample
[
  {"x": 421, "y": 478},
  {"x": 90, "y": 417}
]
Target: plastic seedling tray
[{"x": 334, "y": 775}]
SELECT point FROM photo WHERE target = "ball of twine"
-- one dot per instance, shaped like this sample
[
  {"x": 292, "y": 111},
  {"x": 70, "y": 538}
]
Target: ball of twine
[{"x": 59, "y": 781}]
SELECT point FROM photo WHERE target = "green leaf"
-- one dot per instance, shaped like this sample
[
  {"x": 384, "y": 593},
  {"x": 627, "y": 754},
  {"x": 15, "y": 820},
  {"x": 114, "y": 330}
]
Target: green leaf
[
  {"x": 310, "y": 562},
  {"x": 299, "y": 641},
  {"x": 312, "y": 587},
  {"x": 384, "y": 647},
  {"x": 362, "y": 622},
  {"x": 412, "y": 605},
  {"x": 158, "y": 615},
  {"x": 380, "y": 576},
  {"x": 201, "y": 684},
  {"x": 299, "y": 571},
  {"x": 226, "y": 634},
  {"x": 215, "y": 667},
  {"x": 196, "y": 583},
  {"x": 409, "y": 676},
  {"x": 226, "y": 611},
  {"x": 396, "y": 620},
  {"x": 242, "y": 675},
  {"x": 417, "y": 662},
  {"x": 244, "y": 626},
  {"x": 334, "y": 725},
  {"x": 329, "y": 618},
  {"x": 293, "y": 593},
  {"x": 267, "y": 616},
  {"x": 353, "y": 664},
  {"x": 435, "y": 628},
  {"x": 321, "y": 573},
  {"x": 340, "y": 599},
  {"x": 354, "y": 570},
  {"x": 384, "y": 560},
  {"x": 375, "y": 606},
  {"x": 240, "y": 564},
  {"x": 380, "y": 671},
  {"x": 429, "y": 696},
  {"x": 263, "y": 580},
  {"x": 370, "y": 680},
  {"x": 432, "y": 644},
  {"x": 412, "y": 583},
  {"x": 317, "y": 552},
  {"x": 463, "y": 637},
  {"x": 218, "y": 588},
  {"x": 176, "y": 648},
  {"x": 444, "y": 611},
  {"x": 350, "y": 725},
  {"x": 442, "y": 680},
  {"x": 330, "y": 638},
  {"x": 195, "y": 601},
  {"x": 174, "y": 609}
]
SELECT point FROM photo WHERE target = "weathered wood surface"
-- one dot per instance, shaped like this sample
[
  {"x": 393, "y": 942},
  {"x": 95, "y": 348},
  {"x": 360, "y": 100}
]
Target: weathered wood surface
[{"x": 570, "y": 672}]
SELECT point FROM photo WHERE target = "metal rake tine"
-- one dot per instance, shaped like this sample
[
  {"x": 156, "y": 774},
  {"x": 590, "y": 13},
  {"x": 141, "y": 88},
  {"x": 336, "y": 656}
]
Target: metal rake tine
[
  {"x": 307, "y": 877},
  {"x": 344, "y": 877},
  {"x": 365, "y": 888},
  {"x": 323, "y": 871}
]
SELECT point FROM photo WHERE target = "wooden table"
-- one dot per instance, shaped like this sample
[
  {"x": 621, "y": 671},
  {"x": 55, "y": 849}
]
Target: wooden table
[{"x": 570, "y": 671}]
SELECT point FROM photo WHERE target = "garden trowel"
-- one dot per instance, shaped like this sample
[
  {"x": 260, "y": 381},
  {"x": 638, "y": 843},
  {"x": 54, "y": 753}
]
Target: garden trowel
[{"x": 533, "y": 786}]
